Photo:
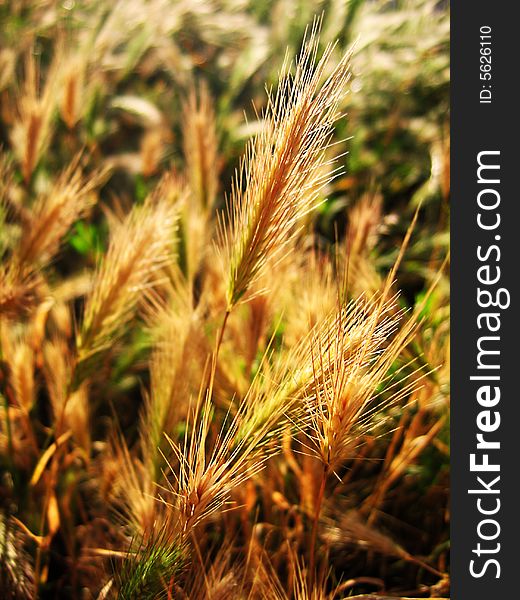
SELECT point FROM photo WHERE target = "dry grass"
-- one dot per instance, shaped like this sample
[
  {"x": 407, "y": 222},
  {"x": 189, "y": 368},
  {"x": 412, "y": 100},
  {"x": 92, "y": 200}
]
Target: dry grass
[
  {"x": 205, "y": 395},
  {"x": 284, "y": 168}
]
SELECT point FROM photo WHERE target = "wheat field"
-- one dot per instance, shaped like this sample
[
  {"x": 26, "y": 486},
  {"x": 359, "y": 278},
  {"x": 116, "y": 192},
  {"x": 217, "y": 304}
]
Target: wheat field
[{"x": 224, "y": 299}]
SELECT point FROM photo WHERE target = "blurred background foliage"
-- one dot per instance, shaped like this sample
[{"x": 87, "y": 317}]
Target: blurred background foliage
[{"x": 131, "y": 63}]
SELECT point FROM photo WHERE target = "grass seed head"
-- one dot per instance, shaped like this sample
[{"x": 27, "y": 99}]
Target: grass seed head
[{"x": 282, "y": 171}]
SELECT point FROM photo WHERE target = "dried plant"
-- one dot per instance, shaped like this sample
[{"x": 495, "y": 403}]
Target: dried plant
[
  {"x": 283, "y": 170},
  {"x": 53, "y": 214},
  {"x": 224, "y": 338},
  {"x": 200, "y": 148},
  {"x": 140, "y": 248},
  {"x": 32, "y": 128},
  {"x": 351, "y": 359}
]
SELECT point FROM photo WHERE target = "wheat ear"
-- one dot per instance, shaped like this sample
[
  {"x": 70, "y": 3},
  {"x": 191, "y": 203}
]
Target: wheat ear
[{"x": 284, "y": 167}]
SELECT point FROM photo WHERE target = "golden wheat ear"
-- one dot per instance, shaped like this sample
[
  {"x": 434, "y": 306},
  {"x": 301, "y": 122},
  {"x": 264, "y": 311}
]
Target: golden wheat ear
[
  {"x": 72, "y": 100},
  {"x": 32, "y": 129},
  {"x": 53, "y": 214},
  {"x": 140, "y": 248},
  {"x": 200, "y": 147},
  {"x": 284, "y": 167},
  {"x": 351, "y": 359},
  {"x": 19, "y": 293}
]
